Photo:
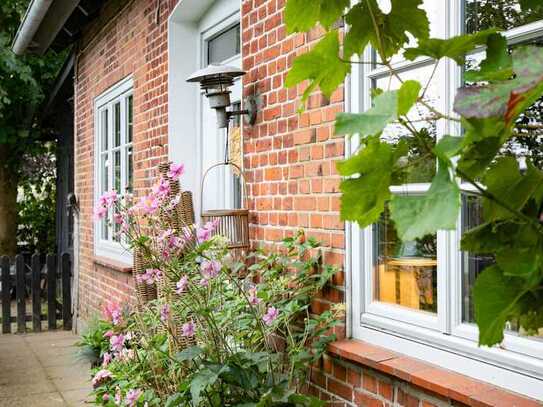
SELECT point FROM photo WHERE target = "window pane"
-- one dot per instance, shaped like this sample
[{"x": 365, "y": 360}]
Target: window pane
[
  {"x": 104, "y": 169},
  {"x": 420, "y": 165},
  {"x": 224, "y": 46},
  {"x": 129, "y": 170},
  {"x": 130, "y": 118},
  {"x": 117, "y": 131},
  {"x": 104, "y": 117},
  {"x": 473, "y": 265},
  {"x": 117, "y": 171},
  {"x": 405, "y": 273},
  {"x": 501, "y": 14}
]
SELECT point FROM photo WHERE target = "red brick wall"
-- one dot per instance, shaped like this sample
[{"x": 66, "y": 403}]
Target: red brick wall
[
  {"x": 125, "y": 40},
  {"x": 289, "y": 158}
]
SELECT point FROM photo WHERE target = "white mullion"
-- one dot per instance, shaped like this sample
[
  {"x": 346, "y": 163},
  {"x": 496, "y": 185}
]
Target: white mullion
[
  {"x": 111, "y": 182},
  {"x": 122, "y": 153}
]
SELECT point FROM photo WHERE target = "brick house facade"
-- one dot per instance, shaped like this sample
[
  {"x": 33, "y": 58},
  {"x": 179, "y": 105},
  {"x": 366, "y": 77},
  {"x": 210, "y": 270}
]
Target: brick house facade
[{"x": 289, "y": 160}]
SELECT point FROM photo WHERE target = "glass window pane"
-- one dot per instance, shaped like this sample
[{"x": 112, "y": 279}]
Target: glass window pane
[
  {"x": 130, "y": 118},
  {"x": 405, "y": 273},
  {"x": 117, "y": 124},
  {"x": 501, "y": 14},
  {"x": 104, "y": 169},
  {"x": 420, "y": 165},
  {"x": 224, "y": 46},
  {"x": 117, "y": 171},
  {"x": 129, "y": 170},
  {"x": 473, "y": 265},
  {"x": 104, "y": 118}
]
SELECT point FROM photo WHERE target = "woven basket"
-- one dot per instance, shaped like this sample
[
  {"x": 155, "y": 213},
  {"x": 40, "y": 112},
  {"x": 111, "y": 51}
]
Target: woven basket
[
  {"x": 233, "y": 224},
  {"x": 144, "y": 291}
]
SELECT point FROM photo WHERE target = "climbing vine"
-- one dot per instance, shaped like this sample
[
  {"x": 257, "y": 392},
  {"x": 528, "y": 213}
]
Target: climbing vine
[{"x": 490, "y": 108}]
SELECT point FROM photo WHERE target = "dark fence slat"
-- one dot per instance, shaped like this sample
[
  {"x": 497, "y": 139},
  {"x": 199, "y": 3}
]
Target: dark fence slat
[
  {"x": 6, "y": 295},
  {"x": 66, "y": 291},
  {"x": 51, "y": 291},
  {"x": 20, "y": 293},
  {"x": 36, "y": 293}
]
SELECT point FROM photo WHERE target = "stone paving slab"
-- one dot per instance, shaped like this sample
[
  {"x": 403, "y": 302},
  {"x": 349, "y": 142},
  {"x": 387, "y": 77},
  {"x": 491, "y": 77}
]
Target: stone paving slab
[{"x": 42, "y": 370}]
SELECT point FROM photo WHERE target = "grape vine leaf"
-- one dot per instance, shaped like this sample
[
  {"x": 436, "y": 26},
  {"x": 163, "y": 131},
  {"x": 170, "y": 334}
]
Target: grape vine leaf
[
  {"x": 321, "y": 66},
  {"x": 455, "y": 48},
  {"x": 416, "y": 216},
  {"x": 365, "y": 193},
  {"x": 448, "y": 147},
  {"x": 533, "y": 5},
  {"x": 496, "y": 301},
  {"x": 393, "y": 27},
  {"x": 498, "y": 64},
  {"x": 506, "y": 100},
  {"x": 302, "y": 15},
  {"x": 386, "y": 108},
  {"x": 519, "y": 262},
  {"x": 503, "y": 179}
]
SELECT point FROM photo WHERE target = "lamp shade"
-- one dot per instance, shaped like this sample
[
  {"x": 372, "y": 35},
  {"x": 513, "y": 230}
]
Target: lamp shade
[{"x": 216, "y": 75}]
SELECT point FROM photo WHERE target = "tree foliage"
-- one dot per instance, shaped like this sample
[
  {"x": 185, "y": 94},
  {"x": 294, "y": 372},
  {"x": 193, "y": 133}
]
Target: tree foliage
[
  {"x": 24, "y": 82},
  {"x": 491, "y": 109}
]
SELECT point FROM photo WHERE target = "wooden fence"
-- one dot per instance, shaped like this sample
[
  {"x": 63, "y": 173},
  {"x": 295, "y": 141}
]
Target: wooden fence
[{"x": 46, "y": 281}]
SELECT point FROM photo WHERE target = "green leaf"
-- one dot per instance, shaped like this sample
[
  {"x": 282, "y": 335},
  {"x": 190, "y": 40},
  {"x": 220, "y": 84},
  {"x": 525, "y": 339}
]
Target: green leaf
[
  {"x": 519, "y": 262},
  {"x": 387, "y": 107},
  {"x": 490, "y": 238},
  {"x": 321, "y": 66},
  {"x": 174, "y": 400},
  {"x": 364, "y": 196},
  {"x": 188, "y": 354},
  {"x": 200, "y": 381},
  {"x": 407, "y": 96},
  {"x": 531, "y": 5},
  {"x": 417, "y": 216},
  {"x": 503, "y": 180},
  {"x": 372, "y": 121},
  {"x": 495, "y": 297},
  {"x": 455, "y": 48},
  {"x": 498, "y": 64},
  {"x": 506, "y": 100},
  {"x": 448, "y": 147},
  {"x": 393, "y": 26},
  {"x": 302, "y": 15},
  {"x": 477, "y": 156}
]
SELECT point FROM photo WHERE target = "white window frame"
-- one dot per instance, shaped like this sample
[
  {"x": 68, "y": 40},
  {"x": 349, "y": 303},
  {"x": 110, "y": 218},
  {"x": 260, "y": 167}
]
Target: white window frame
[
  {"x": 443, "y": 339},
  {"x": 108, "y": 248}
]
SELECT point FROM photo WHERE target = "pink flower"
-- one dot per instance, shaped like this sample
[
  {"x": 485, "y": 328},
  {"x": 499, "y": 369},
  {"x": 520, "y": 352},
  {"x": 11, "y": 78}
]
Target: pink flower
[
  {"x": 210, "y": 269},
  {"x": 162, "y": 189},
  {"x": 100, "y": 377},
  {"x": 271, "y": 315},
  {"x": 106, "y": 359},
  {"x": 204, "y": 282},
  {"x": 188, "y": 329},
  {"x": 100, "y": 212},
  {"x": 149, "y": 204},
  {"x": 204, "y": 233},
  {"x": 113, "y": 312},
  {"x": 165, "y": 235},
  {"x": 165, "y": 313},
  {"x": 108, "y": 334},
  {"x": 253, "y": 298},
  {"x": 117, "y": 342},
  {"x": 150, "y": 276},
  {"x": 181, "y": 285},
  {"x": 175, "y": 242},
  {"x": 132, "y": 397},
  {"x": 118, "y": 218},
  {"x": 176, "y": 170},
  {"x": 174, "y": 202},
  {"x": 118, "y": 397},
  {"x": 105, "y": 397}
]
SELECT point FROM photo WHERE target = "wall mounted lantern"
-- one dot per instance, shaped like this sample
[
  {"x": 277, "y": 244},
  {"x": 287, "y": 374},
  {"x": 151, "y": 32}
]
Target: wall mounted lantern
[{"x": 215, "y": 82}]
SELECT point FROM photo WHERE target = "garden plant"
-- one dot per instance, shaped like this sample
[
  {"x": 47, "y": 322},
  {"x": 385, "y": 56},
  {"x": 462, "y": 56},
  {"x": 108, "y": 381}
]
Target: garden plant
[{"x": 221, "y": 333}]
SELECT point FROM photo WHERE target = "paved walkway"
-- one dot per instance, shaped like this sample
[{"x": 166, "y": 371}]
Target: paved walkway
[{"x": 42, "y": 370}]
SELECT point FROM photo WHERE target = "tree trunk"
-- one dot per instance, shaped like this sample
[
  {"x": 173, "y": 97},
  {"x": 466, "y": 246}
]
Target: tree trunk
[{"x": 8, "y": 205}]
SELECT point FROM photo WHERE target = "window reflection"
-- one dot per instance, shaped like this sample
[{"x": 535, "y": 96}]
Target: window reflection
[
  {"x": 502, "y": 14},
  {"x": 474, "y": 264},
  {"x": 405, "y": 272}
]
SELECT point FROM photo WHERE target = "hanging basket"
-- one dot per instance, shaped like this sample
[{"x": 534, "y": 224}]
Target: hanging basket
[{"x": 233, "y": 224}]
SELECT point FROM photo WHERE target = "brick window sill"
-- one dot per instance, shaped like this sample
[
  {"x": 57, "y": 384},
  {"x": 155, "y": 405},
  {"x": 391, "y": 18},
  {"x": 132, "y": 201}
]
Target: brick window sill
[
  {"x": 429, "y": 377},
  {"x": 112, "y": 265}
]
